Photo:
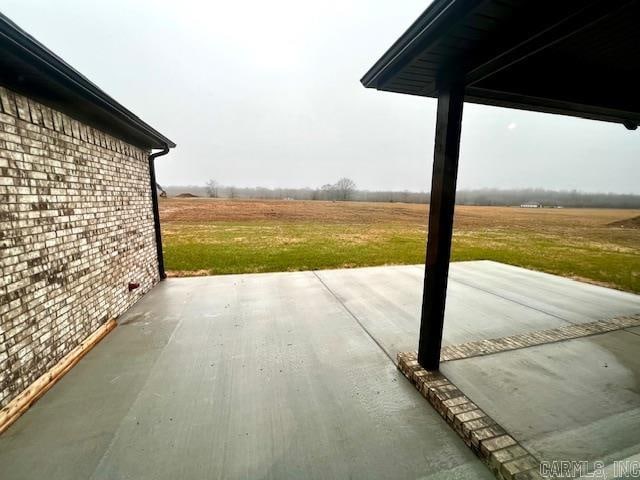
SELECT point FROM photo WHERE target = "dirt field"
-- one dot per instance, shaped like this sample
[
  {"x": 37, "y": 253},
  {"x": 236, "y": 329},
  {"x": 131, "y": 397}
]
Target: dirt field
[{"x": 209, "y": 236}]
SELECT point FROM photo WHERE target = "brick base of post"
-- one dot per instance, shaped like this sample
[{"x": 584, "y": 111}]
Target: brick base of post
[{"x": 504, "y": 456}]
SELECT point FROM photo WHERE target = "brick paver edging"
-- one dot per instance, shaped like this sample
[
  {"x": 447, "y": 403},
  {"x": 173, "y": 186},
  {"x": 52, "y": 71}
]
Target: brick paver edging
[
  {"x": 541, "y": 337},
  {"x": 506, "y": 458}
]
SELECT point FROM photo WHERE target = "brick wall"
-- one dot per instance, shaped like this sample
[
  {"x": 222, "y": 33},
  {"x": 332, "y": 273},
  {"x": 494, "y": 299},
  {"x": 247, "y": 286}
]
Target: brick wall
[{"x": 76, "y": 226}]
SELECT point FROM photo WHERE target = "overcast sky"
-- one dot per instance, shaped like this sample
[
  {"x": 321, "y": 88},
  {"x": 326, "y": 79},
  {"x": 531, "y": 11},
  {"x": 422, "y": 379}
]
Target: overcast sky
[{"x": 268, "y": 93}]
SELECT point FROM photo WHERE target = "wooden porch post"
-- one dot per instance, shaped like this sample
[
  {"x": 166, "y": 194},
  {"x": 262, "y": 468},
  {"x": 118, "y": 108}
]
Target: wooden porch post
[{"x": 443, "y": 196}]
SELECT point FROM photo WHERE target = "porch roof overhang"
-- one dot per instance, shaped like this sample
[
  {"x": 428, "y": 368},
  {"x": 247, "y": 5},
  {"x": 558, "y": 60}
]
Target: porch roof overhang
[{"x": 573, "y": 57}]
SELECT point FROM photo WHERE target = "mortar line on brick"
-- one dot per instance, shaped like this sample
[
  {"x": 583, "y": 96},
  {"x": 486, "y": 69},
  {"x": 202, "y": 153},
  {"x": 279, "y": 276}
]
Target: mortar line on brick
[
  {"x": 353, "y": 315},
  {"x": 55, "y": 228}
]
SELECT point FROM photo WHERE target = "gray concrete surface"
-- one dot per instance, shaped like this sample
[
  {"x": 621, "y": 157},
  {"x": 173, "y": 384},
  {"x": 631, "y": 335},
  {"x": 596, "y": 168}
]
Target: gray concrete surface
[
  {"x": 575, "y": 400},
  {"x": 572, "y": 301},
  {"x": 285, "y": 376},
  {"x": 485, "y": 300},
  {"x": 635, "y": 330},
  {"x": 251, "y": 376}
]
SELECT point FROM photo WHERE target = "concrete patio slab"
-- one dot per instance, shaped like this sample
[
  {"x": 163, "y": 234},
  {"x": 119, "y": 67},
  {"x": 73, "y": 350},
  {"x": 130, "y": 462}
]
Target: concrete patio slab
[
  {"x": 576, "y": 400},
  {"x": 564, "y": 298},
  {"x": 635, "y": 330},
  {"x": 485, "y": 300},
  {"x": 291, "y": 375},
  {"x": 251, "y": 376}
]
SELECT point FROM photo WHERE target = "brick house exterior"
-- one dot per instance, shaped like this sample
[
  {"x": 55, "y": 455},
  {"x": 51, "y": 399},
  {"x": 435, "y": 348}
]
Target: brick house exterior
[{"x": 77, "y": 220}]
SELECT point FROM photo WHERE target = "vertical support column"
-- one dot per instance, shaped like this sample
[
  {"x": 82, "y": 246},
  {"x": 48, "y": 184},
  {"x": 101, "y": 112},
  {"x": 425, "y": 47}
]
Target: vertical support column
[{"x": 443, "y": 196}]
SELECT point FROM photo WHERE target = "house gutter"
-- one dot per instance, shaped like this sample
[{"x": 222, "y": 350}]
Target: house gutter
[{"x": 156, "y": 211}]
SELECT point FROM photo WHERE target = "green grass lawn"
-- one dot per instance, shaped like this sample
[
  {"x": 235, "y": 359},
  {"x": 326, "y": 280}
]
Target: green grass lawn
[{"x": 605, "y": 256}]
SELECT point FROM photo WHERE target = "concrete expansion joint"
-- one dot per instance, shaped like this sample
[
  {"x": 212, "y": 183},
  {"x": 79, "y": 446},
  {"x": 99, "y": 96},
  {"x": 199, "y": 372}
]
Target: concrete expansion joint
[
  {"x": 353, "y": 315},
  {"x": 533, "y": 339},
  {"x": 504, "y": 456}
]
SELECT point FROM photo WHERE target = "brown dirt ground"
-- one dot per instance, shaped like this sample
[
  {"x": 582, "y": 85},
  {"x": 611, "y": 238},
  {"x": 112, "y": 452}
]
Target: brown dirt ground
[
  {"x": 205, "y": 210},
  {"x": 633, "y": 222}
]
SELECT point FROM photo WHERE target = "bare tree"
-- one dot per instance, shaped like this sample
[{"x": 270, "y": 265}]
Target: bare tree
[
  {"x": 344, "y": 188},
  {"x": 212, "y": 188},
  {"x": 485, "y": 196}
]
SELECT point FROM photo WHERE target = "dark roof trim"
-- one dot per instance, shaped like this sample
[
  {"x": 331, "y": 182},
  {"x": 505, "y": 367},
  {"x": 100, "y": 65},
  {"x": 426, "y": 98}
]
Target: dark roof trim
[
  {"x": 544, "y": 105},
  {"x": 417, "y": 36},
  {"x": 507, "y": 52},
  {"x": 53, "y": 72}
]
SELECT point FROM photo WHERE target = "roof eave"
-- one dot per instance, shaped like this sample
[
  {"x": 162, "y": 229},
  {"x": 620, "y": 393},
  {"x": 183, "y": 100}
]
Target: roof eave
[
  {"x": 63, "y": 72},
  {"x": 417, "y": 34}
]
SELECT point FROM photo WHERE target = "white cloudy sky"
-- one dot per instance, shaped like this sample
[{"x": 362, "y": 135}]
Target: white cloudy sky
[{"x": 268, "y": 93}]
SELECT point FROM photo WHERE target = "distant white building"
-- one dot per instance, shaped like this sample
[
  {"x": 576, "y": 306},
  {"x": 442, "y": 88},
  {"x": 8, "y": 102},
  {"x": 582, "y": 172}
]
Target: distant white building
[{"x": 531, "y": 205}]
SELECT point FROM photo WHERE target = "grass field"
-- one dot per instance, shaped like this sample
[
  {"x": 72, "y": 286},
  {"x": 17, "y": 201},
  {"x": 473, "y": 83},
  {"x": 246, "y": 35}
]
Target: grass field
[{"x": 210, "y": 236}]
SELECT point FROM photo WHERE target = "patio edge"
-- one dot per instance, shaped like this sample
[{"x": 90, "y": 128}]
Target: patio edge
[
  {"x": 21, "y": 403},
  {"x": 502, "y": 454}
]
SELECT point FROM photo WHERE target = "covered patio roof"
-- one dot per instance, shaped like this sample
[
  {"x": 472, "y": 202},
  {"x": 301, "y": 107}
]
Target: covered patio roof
[{"x": 573, "y": 57}]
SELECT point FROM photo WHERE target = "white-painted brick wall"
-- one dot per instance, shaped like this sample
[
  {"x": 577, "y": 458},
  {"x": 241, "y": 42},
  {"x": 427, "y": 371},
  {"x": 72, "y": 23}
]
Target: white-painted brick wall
[{"x": 76, "y": 226}]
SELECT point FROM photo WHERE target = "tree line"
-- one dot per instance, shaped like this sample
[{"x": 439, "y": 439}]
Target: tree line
[{"x": 345, "y": 189}]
